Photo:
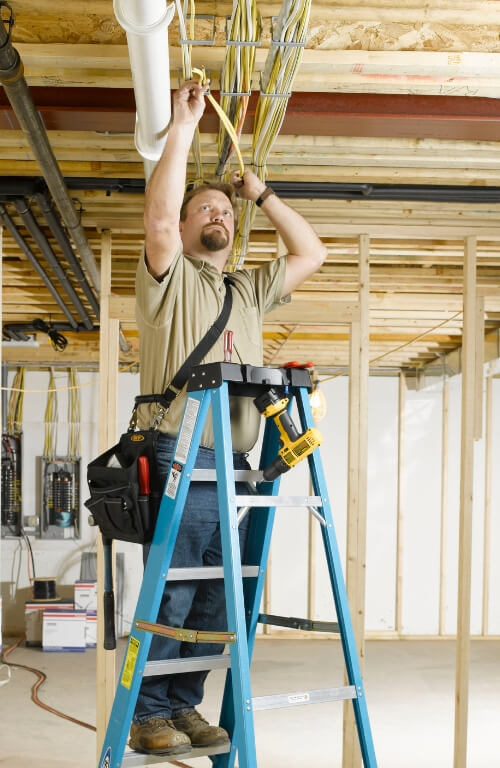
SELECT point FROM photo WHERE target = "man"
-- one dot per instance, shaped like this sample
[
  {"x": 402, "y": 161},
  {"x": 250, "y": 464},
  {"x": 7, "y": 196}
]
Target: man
[{"x": 180, "y": 292}]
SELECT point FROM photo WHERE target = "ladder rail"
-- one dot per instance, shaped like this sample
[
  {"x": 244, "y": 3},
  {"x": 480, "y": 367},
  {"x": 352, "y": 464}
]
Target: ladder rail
[
  {"x": 243, "y": 734},
  {"x": 256, "y": 553},
  {"x": 339, "y": 593},
  {"x": 148, "y": 604}
]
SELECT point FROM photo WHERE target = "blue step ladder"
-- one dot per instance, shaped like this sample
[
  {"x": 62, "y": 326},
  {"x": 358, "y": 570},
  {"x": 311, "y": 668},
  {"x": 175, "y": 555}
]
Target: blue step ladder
[{"x": 211, "y": 385}]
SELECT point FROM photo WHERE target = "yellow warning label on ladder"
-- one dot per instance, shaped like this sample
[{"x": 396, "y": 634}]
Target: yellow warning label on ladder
[{"x": 130, "y": 661}]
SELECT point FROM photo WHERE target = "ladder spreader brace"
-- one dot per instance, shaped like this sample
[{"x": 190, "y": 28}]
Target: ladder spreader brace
[{"x": 211, "y": 385}]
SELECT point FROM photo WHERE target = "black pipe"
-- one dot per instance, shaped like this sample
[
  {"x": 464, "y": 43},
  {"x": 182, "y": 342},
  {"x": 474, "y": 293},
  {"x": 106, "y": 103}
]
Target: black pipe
[
  {"x": 44, "y": 245},
  {"x": 18, "y": 93},
  {"x": 315, "y": 190},
  {"x": 32, "y": 327},
  {"x": 23, "y": 245},
  {"x": 65, "y": 246},
  {"x": 18, "y": 335}
]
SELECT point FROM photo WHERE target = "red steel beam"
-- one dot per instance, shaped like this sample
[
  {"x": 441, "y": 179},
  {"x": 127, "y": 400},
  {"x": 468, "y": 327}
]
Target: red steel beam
[{"x": 318, "y": 114}]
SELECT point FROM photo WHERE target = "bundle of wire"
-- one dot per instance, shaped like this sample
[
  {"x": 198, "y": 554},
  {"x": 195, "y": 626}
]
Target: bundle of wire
[
  {"x": 285, "y": 53},
  {"x": 187, "y": 74},
  {"x": 243, "y": 34},
  {"x": 74, "y": 442},
  {"x": 16, "y": 401},
  {"x": 49, "y": 446},
  {"x": 74, "y": 448}
]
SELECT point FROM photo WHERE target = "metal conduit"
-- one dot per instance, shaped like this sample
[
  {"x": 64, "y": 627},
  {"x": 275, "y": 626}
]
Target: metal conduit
[
  {"x": 16, "y": 88},
  {"x": 65, "y": 246},
  {"x": 32, "y": 327},
  {"x": 11, "y": 227},
  {"x": 44, "y": 245}
]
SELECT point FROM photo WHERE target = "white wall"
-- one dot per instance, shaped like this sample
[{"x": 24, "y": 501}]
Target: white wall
[
  {"x": 58, "y": 559},
  {"x": 421, "y": 508},
  {"x": 421, "y": 512}
]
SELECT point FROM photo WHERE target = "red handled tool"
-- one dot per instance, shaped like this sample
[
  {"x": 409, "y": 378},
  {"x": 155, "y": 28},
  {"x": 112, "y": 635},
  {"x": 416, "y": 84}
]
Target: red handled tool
[
  {"x": 143, "y": 475},
  {"x": 228, "y": 346}
]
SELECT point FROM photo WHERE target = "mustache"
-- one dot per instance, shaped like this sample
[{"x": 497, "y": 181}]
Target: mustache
[{"x": 217, "y": 224}]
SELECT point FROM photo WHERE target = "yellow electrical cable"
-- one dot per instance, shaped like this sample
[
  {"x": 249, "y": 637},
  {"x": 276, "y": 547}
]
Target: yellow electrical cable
[
  {"x": 73, "y": 414},
  {"x": 50, "y": 444},
  {"x": 222, "y": 116},
  {"x": 63, "y": 389},
  {"x": 277, "y": 79},
  {"x": 187, "y": 74},
  {"x": 245, "y": 27},
  {"x": 15, "y": 407},
  {"x": 401, "y": 346}
]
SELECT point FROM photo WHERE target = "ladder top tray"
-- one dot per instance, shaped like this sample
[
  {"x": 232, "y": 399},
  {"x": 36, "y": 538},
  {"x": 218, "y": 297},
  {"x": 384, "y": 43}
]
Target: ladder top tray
[{"x": 246, "y": 380}]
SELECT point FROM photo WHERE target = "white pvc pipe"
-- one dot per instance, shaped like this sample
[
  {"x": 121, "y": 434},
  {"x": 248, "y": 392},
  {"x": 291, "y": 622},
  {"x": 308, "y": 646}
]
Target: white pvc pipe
[{"x": 146, "y": 24}]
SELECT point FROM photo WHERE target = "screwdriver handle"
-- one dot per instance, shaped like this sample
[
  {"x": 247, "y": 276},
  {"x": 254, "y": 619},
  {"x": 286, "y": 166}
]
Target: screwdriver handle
[
  {"x": 143, "y": 475},
  {"x": 228, "y": 346}
]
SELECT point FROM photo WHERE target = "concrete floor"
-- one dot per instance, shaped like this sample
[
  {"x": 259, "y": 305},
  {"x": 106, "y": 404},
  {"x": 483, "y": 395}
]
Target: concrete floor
[{"x": 409, "y": 686}]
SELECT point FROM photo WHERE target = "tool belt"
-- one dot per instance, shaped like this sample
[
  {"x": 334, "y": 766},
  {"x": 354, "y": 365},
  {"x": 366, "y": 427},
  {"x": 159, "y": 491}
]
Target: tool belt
[{"x": 126, "y": 491}]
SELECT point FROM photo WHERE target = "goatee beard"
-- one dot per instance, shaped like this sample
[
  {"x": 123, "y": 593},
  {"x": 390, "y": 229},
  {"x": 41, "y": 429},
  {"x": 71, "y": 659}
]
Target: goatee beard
[{"x": 214, "y": 239}]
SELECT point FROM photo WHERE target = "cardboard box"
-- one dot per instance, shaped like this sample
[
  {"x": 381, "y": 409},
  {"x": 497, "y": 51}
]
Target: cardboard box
[
  {"x": 63, "y": 630},
  {"x": 33, "y": 618},
  {"x": 91, "y": 630},
  {"x": 86, "y": 596}
]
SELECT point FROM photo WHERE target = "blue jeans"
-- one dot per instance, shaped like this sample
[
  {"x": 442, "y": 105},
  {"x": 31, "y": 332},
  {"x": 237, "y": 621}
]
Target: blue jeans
[{"x": 197, "y": 604}]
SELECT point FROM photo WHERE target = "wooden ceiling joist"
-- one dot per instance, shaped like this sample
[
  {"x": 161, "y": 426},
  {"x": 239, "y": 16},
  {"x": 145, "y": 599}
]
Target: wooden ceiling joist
[{"x": 386, "y": 94}]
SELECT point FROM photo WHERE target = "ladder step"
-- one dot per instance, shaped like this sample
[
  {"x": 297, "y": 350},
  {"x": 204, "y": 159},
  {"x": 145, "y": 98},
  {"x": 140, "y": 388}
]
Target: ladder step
[
  {"x": 294, "y": 623},
  {"x": 240, "y": 475},
  {"x": 278, "y": 501},
  {"x": 300, "y": 698},
  {"x": 137, "y": 758},
  {"x": 208, "y": 572},
  {"x": 192, "y": 664}
]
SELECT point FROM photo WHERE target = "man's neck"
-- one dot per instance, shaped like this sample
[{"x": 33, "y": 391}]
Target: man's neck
[{"x": 217, "y": 258}]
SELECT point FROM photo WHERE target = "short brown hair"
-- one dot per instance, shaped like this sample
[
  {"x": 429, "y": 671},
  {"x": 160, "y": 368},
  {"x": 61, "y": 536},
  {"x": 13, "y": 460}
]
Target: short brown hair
[{"x": 221, "y": 186}]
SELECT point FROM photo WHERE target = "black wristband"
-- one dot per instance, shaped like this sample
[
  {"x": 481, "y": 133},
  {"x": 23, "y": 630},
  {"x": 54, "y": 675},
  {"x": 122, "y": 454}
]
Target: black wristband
[{"x": 268, "y": 191}]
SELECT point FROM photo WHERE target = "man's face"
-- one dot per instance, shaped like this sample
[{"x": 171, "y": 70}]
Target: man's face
[{"x": 209, "y": 223}]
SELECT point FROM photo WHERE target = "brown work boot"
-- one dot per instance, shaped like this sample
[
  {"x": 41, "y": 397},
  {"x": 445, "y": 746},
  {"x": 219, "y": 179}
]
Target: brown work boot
[
  {"x": 158, "y": 736},
  {"x": 201, "y": 733}
]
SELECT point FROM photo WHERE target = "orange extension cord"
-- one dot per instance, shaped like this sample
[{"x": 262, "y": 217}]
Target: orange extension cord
[{"x": 34, "y": 694}]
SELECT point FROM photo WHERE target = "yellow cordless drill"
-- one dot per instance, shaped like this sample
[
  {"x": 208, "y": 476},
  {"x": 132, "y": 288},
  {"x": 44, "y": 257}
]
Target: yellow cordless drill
[{"x": 294, "y": 446}]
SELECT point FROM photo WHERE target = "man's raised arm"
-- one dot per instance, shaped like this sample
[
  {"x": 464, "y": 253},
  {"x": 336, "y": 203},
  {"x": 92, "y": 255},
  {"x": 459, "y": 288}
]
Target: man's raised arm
[
  {"x": 306, "y": 252},
  {"x": 165, "y": 189}
]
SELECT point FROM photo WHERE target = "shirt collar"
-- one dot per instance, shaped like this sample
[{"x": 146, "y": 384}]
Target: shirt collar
[{"x": 205, "y": 266}]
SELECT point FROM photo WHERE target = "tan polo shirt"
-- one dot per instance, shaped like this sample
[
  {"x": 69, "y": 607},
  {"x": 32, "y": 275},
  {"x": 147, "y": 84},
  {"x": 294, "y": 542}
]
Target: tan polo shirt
[{"x": 174, "y": 314}]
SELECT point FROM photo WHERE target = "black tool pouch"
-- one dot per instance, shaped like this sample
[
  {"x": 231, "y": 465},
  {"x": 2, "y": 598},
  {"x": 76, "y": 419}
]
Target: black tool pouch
[{"x": 115, "y": 503}]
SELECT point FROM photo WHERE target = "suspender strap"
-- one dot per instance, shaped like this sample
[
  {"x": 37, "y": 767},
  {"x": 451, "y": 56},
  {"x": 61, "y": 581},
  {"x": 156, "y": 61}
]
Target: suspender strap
[{"x": 196, "y": 355}]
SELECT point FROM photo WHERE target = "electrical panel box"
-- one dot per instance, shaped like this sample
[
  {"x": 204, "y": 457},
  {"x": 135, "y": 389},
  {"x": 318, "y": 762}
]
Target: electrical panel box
[
  {"x": 11, "y": 484},
  {"x": 59, "y": 497}
]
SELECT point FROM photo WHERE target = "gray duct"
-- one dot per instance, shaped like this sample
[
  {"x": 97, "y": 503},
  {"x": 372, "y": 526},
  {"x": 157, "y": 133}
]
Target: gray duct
[
  {"x": 44, "y": 245},
  {"x": 65, "y": 246},
  {"x": 11, "y": 227},
  {"x": 16, "y": 88}
]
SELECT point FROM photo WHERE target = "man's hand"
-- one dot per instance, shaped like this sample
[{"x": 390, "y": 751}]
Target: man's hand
[
  {"x": 189, "y": 103},
  {"x": 306, "y": 252},
  {"x": 249, "y": 187}
]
